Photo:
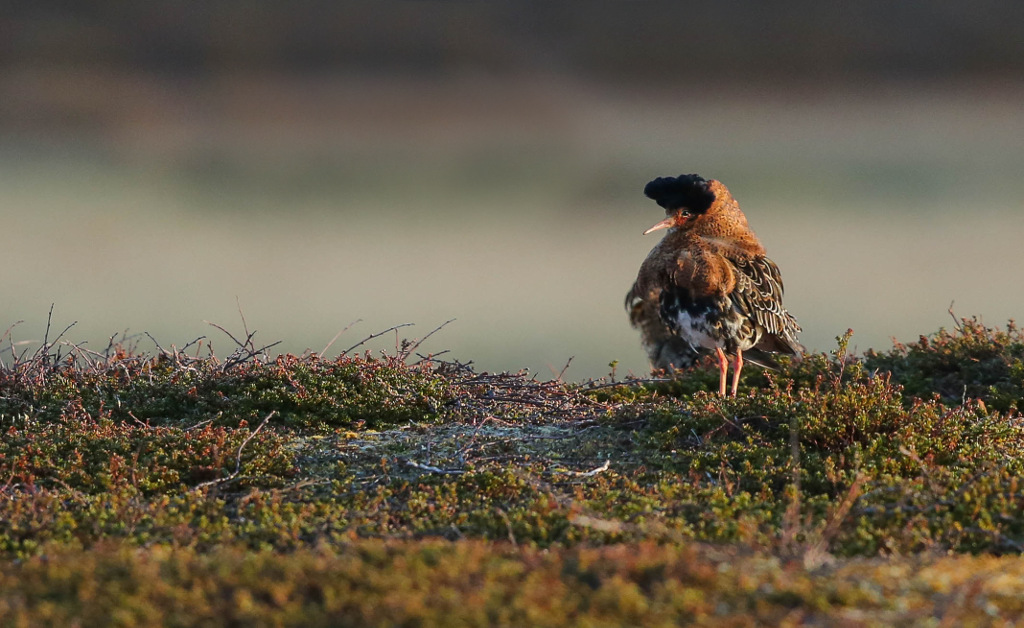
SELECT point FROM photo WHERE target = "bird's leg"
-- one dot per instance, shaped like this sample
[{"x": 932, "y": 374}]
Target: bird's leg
[
  {"x": 723, "y": 369},
  {"x": 737, "y": 365}
]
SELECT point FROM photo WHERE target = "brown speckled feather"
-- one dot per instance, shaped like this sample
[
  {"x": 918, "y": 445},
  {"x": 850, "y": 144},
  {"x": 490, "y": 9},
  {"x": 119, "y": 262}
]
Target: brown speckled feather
[{"x": 758, "y": 295}]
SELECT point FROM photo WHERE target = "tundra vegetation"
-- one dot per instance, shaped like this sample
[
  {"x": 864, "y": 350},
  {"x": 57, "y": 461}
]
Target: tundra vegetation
[{"x": 178, "y": 487}]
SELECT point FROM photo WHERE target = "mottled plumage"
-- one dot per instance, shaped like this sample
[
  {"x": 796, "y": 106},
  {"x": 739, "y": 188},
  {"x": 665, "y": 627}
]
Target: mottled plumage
[
  {"x": 665, "y": 349},
  {"x": 708, "y": 285}
]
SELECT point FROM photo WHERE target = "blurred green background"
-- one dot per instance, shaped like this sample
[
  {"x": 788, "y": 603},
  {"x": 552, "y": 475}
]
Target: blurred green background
[{"x": 411, "y": 162}]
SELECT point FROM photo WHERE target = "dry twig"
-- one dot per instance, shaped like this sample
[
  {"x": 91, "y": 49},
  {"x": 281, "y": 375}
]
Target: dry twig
[
  {"x": 593, "y": 472},
  {"x": 336, "y": 336},
  {"x": 407, "y": 351},
  {"x": 432, "y": 469},
  {"x": 377, "y": 335}
]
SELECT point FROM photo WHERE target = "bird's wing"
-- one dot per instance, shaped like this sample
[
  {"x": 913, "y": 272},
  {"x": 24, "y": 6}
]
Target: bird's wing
[{"x": 758, "y": 295}]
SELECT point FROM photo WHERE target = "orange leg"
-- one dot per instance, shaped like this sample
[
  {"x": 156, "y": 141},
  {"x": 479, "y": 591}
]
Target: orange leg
[
  {"x": 737, "y": 365},
  {"x": 723, "y": 368}
]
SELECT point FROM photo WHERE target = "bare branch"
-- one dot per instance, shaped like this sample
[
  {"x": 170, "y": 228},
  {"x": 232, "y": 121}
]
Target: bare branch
[
  {"x": 84, "y": 353},
  {"x": 593, "y": 472},
  {"x": 159, "y": 348},
  {"x": 956, "y": 321},
  {"x": 197, "y": 340},
  {"x": 430, "y": 357},
  {"x": 229, "y": 334},
  {"x": 564, "y": 368},
  {"x": 47, "y": 346},
  {"x": 377, "y": 335},
  {"x": 46, "y": 335},
  {"x": 410, "y": 349},
  {"x": 347, "y": 327},
  {"x": 246, "y": 354},
  {"x": 245, "y": 326},
  {"x": 7, "y": 334},
  {"x": 628, "y": 382},
  {"x": 432, "y": 469}
]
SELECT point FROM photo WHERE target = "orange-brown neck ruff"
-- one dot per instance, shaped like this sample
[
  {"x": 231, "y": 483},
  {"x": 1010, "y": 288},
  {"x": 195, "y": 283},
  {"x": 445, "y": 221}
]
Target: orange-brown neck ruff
[
  {"x": 696, "y": 254},
  {"x": 723, "y": 228}
]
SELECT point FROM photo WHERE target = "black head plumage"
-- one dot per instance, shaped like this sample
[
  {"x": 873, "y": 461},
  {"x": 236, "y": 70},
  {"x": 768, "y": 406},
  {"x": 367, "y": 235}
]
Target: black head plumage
[{"x": 687, "y": 190}]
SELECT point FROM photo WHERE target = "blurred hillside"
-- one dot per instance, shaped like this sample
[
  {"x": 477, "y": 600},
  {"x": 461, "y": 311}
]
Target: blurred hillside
[{"x": 657, "y": 42}]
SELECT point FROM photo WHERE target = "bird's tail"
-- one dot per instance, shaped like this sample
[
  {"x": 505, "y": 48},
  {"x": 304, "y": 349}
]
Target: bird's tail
[
  {"x": 762, "y": 353},
  {"x": 761, "y": 358}
]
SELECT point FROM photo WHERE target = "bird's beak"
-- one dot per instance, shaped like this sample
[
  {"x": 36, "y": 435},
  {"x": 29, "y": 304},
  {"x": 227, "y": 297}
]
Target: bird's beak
[{"x": 664, "y": 224}]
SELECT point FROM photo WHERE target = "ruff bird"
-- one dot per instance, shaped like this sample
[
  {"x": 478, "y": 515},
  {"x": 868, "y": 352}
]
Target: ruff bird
[{"x": 707, "y": 286}]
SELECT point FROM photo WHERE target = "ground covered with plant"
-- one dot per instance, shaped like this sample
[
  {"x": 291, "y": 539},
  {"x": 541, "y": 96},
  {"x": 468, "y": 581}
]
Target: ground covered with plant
[{"x": 179, "y": 488}]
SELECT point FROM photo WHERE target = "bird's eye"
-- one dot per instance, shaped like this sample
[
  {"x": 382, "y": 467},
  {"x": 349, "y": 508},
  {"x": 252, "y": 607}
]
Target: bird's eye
[{"x": 685, "y": 213}]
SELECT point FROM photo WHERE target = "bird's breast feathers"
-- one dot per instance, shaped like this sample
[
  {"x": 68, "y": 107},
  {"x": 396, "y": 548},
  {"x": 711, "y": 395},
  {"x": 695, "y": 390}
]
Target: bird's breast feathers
[{"x": 703, "y": 272}]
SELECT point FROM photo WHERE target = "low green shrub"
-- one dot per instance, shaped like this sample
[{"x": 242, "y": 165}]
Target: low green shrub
[
  {"x": 302, "y": 391},
  {"x": 831, "y": 455}
]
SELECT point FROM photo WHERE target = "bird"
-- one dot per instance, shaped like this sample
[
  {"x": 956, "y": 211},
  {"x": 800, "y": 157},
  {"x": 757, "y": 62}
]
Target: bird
[{"x": 707, "y": 286}]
